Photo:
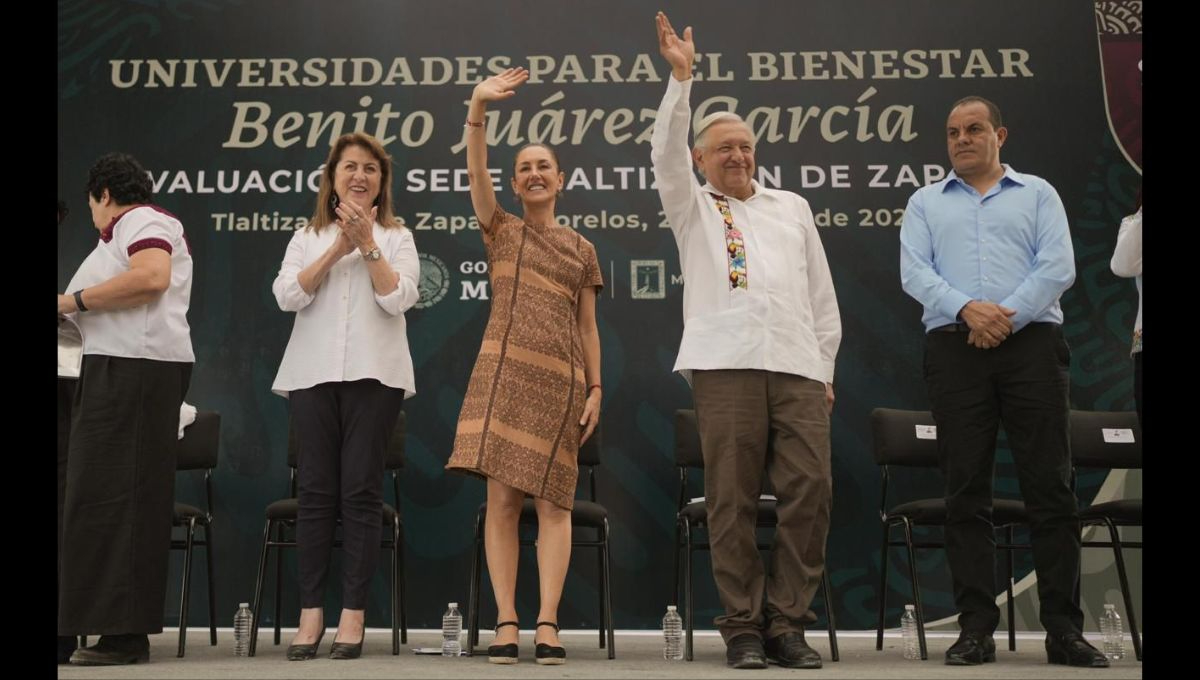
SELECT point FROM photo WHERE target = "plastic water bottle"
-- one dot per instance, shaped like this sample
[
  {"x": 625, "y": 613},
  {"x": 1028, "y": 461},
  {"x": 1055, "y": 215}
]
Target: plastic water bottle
[
  {"x": 672, "y": 635},
  {"x": 243, "y": 622},
  {"x": 1114, "y": 638},
  {"x": 908, "y": 632},
  {"x": 451, "y": 631}
]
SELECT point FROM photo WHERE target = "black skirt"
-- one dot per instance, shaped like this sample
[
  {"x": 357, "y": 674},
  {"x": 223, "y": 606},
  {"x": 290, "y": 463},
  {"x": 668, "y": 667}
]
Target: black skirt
[{"x": 116, "y": 534}]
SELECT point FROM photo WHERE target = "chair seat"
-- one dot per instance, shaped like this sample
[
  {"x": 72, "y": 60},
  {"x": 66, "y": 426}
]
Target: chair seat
[
  {"x": 1127, "y": 511},
  {"x": 184, "y": 512},
  {"x": 585, "y": 513},
  {"x": 933, "y": 511},
  {"x": 287, "y": 510},
  {"x": 697, "y": 513}
]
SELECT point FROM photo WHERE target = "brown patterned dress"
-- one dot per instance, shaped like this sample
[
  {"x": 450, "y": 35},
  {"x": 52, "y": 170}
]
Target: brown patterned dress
[{"x": 519, "y": 422}]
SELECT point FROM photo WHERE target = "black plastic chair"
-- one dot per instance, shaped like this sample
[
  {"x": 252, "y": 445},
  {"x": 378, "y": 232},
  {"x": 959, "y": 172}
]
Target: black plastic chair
[
  {"x": 281, "y": 517},
  {"x": 197, "y": 451},
  {"x": 587, "y": 514},
  {"x": 693, "y": 516},
  {"x": 908, "y": 439},
  {"x": 1119, "y": 448}
]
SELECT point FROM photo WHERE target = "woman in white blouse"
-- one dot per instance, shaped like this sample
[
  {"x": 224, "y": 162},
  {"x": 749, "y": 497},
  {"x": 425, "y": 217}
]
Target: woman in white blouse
[
  {"x": 130, "y": 300},
  {"x": 349, "y": 276}
]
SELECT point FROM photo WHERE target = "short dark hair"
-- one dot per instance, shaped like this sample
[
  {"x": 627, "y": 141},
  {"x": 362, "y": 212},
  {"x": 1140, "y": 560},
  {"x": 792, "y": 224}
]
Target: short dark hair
[
  {"x": 126, "y": 180},
  {"x": 993, "y": 110}
]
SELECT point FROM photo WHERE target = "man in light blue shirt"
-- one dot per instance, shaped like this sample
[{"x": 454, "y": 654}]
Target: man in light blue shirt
[{"x": 987, "y": 252}]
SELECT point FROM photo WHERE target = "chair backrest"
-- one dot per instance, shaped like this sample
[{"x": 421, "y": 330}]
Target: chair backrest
[
  {"x": 201, "y": 440},
  {"x": 907, "y": 438},
  {"x": 687, "y": 439},
  {"x": 393, "y": 458},
  {"x": 1106, "y": 439}
]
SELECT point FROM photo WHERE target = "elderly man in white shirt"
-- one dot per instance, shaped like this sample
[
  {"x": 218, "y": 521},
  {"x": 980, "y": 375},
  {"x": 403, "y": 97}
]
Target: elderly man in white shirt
[{"x": 761, "y": 333}]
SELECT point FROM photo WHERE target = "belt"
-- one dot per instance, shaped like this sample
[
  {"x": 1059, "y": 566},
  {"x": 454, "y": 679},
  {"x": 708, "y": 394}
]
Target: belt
[{"x": 952, "y": 328}]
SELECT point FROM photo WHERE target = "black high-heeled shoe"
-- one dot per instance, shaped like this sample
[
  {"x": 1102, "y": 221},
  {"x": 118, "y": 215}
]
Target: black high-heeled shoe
[
  {"x": 549, "y": 655},
  {"x": 347, "y": 650},
  {"x": 304, "y": 652},
  {"x": 506, "y": 654}
]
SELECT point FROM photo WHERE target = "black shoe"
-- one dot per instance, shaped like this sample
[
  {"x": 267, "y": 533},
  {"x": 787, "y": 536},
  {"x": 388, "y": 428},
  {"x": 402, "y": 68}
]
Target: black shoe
[
  {"x": 304, "y": 652},
  {"x": 1070, "y": 649},
  {"x": 972, "y": 649},
  {"x": 745, "y": 651},
  {"x": 549, "y": 655},
  {"x": 791, "y": 651},
  {"x": 66, "y": 646},
  {"x": 505, "y": 654},
  {"x": 114, "y": 650},
  {"x": 347, "y": 650}
]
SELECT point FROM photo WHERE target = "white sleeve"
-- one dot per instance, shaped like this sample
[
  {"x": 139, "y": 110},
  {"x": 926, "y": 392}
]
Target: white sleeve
[
  {"x": 402, "y": 255},
  {"x": 670, "y": 156},
  {"x": 288, "y": 293},
  {"x": 827, "y": 319},
  {"x": 1127, "y": 257}
]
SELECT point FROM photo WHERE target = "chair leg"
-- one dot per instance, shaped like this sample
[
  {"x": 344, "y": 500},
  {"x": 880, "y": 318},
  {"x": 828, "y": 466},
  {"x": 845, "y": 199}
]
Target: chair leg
[
  {"x": 916, "y": 588},
  {"x": 189, "y": 543},
  {"x": 827, "y": 596},
  {"x": 395, "y": 590},
  {"x": 212, "y": 590},
  {"x": 600, "y": 550},
  {"x": 278, "y": 582},
  {"x": 883, "y": 574},
  {"x": 687, "y": 585},
  {"x": 1008, "y": 586},
  {"x": 476, "y": 566},
  {"x": 1125, "y": 594},
  {"x": 607, "y": 612},
  {"x": 258, "y": 586},
  {"x": 403, "y": 603},
  {"x": 675, "y": 571}
]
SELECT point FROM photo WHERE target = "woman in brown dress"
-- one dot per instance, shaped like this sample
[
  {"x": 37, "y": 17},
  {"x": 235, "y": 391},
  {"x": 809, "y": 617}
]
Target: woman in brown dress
[{"x": 534, "y": 394}]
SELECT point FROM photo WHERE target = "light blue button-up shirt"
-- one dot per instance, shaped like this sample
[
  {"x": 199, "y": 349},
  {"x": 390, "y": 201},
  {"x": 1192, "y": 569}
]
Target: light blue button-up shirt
[{"x": 1011, "y": 246}]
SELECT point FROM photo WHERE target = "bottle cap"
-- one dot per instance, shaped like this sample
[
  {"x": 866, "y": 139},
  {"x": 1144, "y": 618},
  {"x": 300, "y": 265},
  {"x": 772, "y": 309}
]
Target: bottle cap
[
  {"x": 452, "y": 605},
  {"x": 244, "y": 604},
  {"x": 670, "y": 607}
]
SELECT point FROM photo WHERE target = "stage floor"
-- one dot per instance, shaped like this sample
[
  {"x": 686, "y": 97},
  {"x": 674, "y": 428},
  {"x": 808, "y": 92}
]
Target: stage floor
[{"x": 639, "y": 655}]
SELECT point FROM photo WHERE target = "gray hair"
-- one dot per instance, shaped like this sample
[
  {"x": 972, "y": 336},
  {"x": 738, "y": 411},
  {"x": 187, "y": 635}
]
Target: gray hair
[{"x": 714, "y": 118}]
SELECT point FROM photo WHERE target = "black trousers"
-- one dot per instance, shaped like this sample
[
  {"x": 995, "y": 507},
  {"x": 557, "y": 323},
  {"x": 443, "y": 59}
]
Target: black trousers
[
  {"x": 66, "y": 395},
  {"x": 119, "y": 496},
  {"x": 342, "y": 430},
  {"x": 1022, "y": 384}
]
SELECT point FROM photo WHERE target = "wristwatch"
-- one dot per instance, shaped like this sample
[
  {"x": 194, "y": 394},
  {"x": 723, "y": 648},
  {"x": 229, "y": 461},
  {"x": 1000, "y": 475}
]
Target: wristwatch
[{"x": 373, "y": 254}]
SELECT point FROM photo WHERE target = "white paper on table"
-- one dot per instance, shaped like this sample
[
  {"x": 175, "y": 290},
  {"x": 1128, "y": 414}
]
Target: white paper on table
[{"x": 1117, "y": 435}]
